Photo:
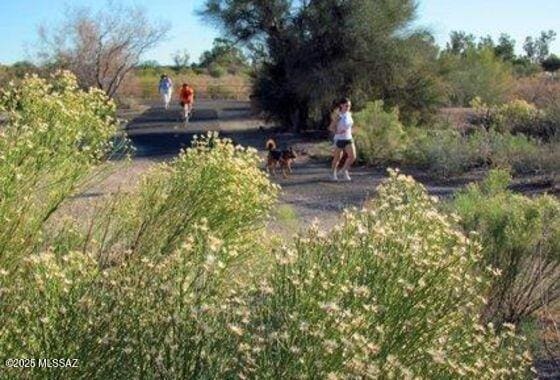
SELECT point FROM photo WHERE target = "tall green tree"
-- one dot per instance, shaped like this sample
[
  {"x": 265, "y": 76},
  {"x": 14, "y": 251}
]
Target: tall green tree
[
  {"x": 460, "y": 42},
  {"x": 505, "y": 48},
  {"x": 551, "y": 64},
  {"x": 538, "y": 49},
  {"x": 314, "y": 51},
  {"x": 224, "y": 54}
]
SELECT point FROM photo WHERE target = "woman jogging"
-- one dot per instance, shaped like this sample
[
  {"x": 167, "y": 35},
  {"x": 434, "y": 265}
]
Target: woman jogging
[
  {"x": 341, "y": 125},
  {"x": 187, "y": 99},
  {"x": 165, "y": 89}
]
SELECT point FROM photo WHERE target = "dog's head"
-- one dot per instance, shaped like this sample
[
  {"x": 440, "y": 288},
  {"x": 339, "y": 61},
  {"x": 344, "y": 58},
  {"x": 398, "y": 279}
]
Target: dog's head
[{"x": 289, "y": 154}]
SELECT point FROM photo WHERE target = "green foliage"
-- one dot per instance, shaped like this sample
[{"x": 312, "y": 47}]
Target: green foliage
[
  {"x": 149, "y": 65},
  {"x": 447, "y": 152},
  {"x": 505, "y": 48},
  {"x": 217, "y": 91},
  {"x": 478, "y": 73},
  {"x": 223, "y": 57},
  {"x": 393, "y": 292},
  {"x": 444, "y": 150},
  {"x": 216, "y": 71},
  {"x": 441, "y": 151},
  {"x": 551, "y": 64},
  {"x": 141, "y": 317},
  {"x": 380, "y": 136},
  {"x": 524, "y": 67},
  {"x": 460, "y": 42},
  {"x": 305, "y": 64},
  {"x": 145, "y": 283},
  {"x": 53, "y": 137},
  {"x": 537, "y": 49},
  {"x": 521, "y": 240}
]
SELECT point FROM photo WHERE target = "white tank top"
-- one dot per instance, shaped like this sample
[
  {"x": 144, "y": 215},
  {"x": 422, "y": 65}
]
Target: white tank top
[{"x": 344, "y": 127}]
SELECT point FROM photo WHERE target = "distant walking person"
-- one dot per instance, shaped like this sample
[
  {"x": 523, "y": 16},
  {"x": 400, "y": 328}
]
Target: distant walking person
[
  {"x": 166, "y": 90},
  {"x": 341, "y": 125},
  {"x": 187, "y": 100}
]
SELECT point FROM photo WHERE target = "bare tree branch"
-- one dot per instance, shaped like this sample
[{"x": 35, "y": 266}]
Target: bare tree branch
[{"x": 101, "y": 48}]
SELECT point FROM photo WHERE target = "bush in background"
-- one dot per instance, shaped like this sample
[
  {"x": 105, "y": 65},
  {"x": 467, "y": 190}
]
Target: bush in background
[
  {"x": 477, "y": 73},
  {"x": 443, "y": 149},
  {"x": 520, "y": 117},
  {"x": 520, "y": 237},
  {"x": 216, "y": 71},
  {"x": 216, "y": 91},
  {"x": 380, "y": 135}
]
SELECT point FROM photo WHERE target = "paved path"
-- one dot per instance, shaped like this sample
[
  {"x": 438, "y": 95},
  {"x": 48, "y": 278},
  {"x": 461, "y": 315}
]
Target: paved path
[{"x": 159, "y": 134}]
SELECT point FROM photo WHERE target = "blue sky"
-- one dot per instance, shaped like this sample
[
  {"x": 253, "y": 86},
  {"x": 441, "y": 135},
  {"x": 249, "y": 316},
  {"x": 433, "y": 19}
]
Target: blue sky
[{"x": 19, "y": 20}]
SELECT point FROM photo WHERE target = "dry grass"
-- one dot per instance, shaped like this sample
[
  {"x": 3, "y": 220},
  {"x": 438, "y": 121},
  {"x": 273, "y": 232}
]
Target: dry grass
[
  {"x": 541, "y": 90},
  {"x": 145, "y": 86}
]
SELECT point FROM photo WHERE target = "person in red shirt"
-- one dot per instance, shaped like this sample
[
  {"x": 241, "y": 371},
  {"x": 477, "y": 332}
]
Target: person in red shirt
[{"x": 187, "y": 100}]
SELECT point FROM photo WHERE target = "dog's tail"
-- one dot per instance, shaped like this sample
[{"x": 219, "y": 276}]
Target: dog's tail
[{"x": 270, "y": 144}]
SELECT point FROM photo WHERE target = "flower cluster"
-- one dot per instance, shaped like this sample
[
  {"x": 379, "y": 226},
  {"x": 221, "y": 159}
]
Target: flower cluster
[
  {"x": 392, "y": 293},
  {"x": 55, "y": 134}
]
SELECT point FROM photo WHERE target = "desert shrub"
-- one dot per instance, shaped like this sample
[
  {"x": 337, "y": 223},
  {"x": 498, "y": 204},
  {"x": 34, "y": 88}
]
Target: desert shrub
[
  {"x": 213, "y": 182},
  {"x": 393, "y": 292},
  {"x": 216, "y": 71},
  {"x": 519, "y": 117},
  {"x": 53, "y": 137},
  {"x": 445, "y": 150},
  {"x": 552, "y": 120},
  {"x": 442, "y": 151},
  {"x": 520, "y": 237},
  {"x": 380, "y": 135},
  {"x": 516, "y": 116},
  {"x": 478, "y": 73},
  {"x": 217, "y": 91},
  {"x": 448, "y": 152},
  {"x": 140, "y": 292},
  {"x": 517, "y": 152},
  {"x": 155, "y": 317},
  {"x": 539, "y": 90}
]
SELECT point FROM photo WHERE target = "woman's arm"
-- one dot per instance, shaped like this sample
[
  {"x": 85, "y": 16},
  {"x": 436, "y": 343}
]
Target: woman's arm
[{"x": 335, "y": 117}]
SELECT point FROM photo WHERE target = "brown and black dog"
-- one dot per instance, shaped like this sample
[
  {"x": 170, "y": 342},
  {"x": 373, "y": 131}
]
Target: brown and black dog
[{"x": 276, "y": 157}]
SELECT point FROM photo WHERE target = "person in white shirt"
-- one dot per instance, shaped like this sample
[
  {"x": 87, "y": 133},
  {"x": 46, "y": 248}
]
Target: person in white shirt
[
  {"x": 342, "y": 124},
  {"x": 166, "y": 90}
]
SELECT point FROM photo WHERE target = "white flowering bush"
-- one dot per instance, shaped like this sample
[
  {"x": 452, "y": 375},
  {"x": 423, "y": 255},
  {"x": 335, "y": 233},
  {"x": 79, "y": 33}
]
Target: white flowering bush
[
  {"x": 213, "y": 182},
  {"x": 155, "y": 317},
  {"x": 141, "y": 291},
  {"x": 54, "y": 135},
  {"x": 392, "y": 293}
]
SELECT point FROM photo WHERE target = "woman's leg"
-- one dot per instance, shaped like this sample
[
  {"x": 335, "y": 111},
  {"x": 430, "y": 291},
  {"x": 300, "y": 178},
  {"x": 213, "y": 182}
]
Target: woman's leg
[
  {"x": 337, "y": 155},
  {"x": 190, "y": 108},
  {"x": 167, "y": 99},
  {"x": 350, "y": 150}
]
